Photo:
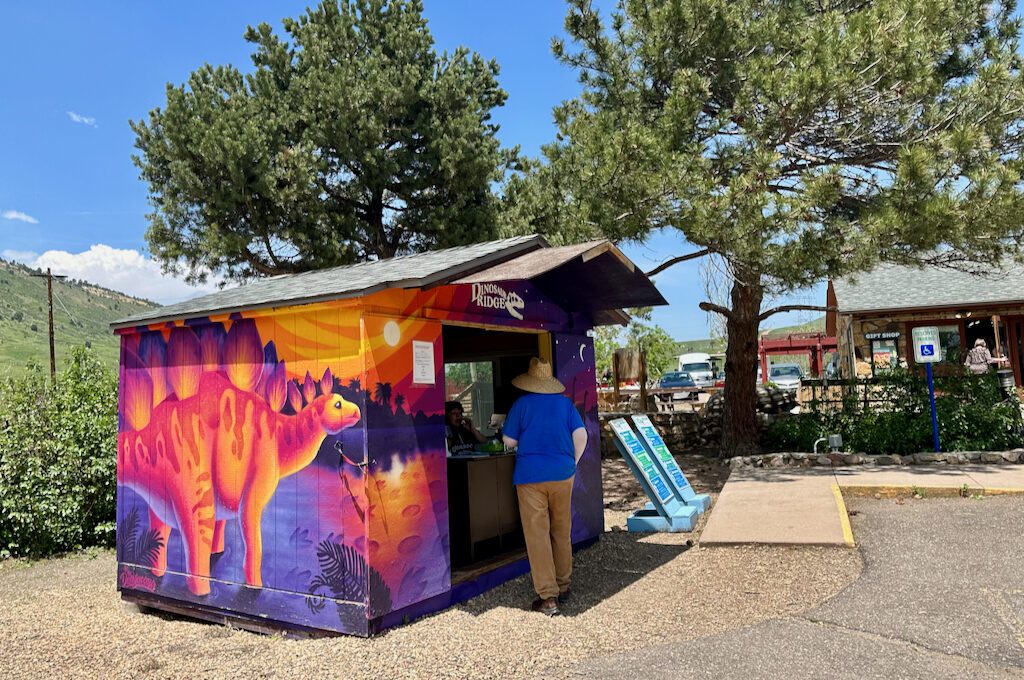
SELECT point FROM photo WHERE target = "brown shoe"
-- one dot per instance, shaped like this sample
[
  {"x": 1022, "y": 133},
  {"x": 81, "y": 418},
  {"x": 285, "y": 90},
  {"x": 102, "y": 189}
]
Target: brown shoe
[{"x": 548, "y": 606}]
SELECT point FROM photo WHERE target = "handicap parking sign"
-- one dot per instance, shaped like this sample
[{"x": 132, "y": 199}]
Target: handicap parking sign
[{"x": 926, "y": 344}]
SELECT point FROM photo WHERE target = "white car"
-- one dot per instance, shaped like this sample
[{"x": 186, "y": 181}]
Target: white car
[{"x": 786, "y": 376}]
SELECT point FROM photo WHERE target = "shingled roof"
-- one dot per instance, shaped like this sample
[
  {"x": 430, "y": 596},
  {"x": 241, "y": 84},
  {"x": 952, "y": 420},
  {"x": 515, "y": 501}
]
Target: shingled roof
[
  {"x": 409, "y": 271},
  {"x": 894, "y": 287}
]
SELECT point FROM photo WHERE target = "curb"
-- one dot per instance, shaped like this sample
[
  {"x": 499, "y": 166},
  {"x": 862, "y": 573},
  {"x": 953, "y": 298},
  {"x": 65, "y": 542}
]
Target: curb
[
  {"x": 902, "y": 490},
  {"x": 844, "y": 517}
]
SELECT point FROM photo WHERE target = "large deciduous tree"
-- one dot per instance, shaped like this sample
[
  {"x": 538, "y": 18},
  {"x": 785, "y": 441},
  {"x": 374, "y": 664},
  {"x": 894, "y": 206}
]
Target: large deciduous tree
[
  {"x": 794, "y": 140},
  {"x": 351, "y": 140}
]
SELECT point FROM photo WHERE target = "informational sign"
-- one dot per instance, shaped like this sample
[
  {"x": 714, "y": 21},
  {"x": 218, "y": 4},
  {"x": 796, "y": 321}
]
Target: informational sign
[
  {"x": 655, "y": 444},
  {"x": 927, "y": 347},
  {"x": 643, "y": 461},
  {"x": 423, "y": 372},
  {"x": 661, "y": 452}
]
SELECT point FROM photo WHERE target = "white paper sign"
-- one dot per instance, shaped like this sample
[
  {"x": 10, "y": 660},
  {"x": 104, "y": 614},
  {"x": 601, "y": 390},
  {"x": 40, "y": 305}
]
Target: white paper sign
[{"x": 423, "y": 363}]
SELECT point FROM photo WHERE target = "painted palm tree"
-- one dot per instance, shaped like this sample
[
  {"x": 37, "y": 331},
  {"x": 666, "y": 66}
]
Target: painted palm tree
[
  {"x": 399, "y": 402},
  {"x": 383, "y": 394}
]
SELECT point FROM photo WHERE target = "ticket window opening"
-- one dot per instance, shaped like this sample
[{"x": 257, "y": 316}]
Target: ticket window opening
[{"x": 480, "y": 364}]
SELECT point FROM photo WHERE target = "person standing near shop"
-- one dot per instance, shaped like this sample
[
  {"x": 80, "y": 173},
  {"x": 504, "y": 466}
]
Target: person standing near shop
[
  {"x": 548, "y": 434},
  {"x": 979, "y": 358}
]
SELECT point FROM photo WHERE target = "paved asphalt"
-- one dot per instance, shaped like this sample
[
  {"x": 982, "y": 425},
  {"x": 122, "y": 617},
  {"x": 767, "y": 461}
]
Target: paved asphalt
[{"x": 941, "y": 596}]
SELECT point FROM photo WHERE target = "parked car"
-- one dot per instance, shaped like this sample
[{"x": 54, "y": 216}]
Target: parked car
[
  {"x": 786, "y": 376},
  {"x": 677, "y": 379}
]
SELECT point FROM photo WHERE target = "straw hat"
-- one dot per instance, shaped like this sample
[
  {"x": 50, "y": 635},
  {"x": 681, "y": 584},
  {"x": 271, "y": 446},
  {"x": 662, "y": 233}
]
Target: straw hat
[{"x": 539, "y": 379}]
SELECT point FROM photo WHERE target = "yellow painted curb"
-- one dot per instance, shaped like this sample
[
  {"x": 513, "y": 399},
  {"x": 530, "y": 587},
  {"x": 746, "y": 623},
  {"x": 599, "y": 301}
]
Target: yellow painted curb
[
  {"x": 903, "y": 490},
  {"x": 1003, "y": 492},
  {"x": 844, "y": 517}
]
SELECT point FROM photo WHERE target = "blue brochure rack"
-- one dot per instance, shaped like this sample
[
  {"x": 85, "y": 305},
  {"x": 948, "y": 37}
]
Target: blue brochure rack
[
  {"x": 655, "y": 445},
  {"x": 665, "y": 512}
]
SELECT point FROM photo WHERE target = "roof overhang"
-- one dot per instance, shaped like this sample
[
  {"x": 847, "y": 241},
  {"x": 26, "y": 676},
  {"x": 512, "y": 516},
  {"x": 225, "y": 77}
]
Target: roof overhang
[{"x": 594, "y": 278}]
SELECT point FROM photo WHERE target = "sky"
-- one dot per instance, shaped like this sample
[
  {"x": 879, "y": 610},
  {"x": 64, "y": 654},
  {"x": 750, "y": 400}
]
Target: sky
[{"x": 77, "y": 72}]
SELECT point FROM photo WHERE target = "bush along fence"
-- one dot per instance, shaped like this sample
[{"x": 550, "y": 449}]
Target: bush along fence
[
  {"x": 974, "y": 416},
  {"x": 57, "y": 466}
]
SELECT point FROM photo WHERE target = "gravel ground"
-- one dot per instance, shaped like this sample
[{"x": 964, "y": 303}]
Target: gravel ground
[{"x": 63, "y": 616}]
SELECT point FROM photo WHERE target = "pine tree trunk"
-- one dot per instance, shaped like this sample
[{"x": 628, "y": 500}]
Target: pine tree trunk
[{"x": 739, "y": 419}]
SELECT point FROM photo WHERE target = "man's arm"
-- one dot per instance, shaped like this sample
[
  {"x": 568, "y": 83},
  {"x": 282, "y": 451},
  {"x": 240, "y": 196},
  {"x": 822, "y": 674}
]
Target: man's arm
[{"x": 579, "y": 442}]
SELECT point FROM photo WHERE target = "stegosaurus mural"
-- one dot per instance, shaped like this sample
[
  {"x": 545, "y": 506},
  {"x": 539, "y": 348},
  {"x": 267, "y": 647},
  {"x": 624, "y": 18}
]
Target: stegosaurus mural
[{"x": 210, "y": 425}]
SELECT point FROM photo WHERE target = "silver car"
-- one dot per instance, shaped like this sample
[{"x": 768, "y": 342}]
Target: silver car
[{"x": 786, "y": 376}]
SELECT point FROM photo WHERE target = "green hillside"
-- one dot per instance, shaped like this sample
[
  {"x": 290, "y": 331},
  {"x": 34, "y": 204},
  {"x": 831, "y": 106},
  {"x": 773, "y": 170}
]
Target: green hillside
[
  {"x": 82, "y": 313},
  {"x": 714, "y": 345},
  {"x": 812, "y": 326}
]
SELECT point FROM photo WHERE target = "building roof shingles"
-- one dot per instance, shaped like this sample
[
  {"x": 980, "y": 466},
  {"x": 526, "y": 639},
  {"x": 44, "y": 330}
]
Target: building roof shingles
[
  {"x": 408, "y": 271},
  {"x": 892, "y": 287}
]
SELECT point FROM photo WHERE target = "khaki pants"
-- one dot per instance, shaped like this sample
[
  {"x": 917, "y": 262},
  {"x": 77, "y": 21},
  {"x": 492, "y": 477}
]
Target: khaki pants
[{"x": 547, "y": 522}]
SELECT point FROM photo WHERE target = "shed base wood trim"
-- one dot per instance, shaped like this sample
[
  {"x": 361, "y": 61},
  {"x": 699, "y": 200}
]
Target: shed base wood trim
[
  {"x": 249, "y": 622},
  {"x": 263, "y": 621}
]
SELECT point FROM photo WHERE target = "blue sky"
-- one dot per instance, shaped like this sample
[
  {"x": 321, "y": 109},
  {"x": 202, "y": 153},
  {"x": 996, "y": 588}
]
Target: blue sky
[{"x": 76, "y": 72}]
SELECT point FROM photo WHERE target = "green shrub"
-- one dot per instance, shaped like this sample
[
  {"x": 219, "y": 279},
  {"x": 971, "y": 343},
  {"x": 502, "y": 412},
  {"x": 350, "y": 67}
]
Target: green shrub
[
  {"x": 973, "y": 415},
  {"x": 57, "y": 459}
]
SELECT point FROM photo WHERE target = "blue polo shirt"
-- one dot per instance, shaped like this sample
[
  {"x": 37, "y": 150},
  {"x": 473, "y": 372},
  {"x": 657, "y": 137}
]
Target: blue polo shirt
[{"x": 543, "y": 425}]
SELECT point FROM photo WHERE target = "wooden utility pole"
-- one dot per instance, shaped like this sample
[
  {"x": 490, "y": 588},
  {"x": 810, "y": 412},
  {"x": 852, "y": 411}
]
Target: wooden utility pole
[{"x": 49, "y": 302}]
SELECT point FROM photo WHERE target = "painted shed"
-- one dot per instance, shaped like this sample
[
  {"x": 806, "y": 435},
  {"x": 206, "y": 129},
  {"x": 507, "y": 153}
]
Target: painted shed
[{"x": 281, "y": 448}]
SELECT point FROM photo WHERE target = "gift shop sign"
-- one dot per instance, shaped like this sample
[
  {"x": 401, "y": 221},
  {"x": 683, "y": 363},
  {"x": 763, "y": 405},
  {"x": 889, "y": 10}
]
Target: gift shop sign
[{"x": 493, "y": 296}]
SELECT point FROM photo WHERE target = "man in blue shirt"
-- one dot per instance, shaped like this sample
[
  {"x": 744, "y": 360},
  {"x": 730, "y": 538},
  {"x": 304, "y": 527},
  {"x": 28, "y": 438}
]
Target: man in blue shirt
[{"x": 548, "y": 434}]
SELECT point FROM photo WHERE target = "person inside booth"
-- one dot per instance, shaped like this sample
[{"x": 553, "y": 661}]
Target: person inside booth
[{"x": 459, "y": 431}]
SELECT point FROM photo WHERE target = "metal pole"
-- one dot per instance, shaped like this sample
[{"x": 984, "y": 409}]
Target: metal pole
[{"x": 931, "y": 398}]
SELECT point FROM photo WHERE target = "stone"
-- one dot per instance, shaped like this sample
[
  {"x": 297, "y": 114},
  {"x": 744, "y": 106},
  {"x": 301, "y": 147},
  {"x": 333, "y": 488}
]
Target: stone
[
  {"x": 823, "y": 460},
  {"x": 989, "y": 457},
  {"x": 777, "y": 460},
  {"x": 972, "y": 456},
  {"x": 736, "y": 462},
  {"x": 923, "y": 458},
  {"x": 797, "y": 457},
  {"x": 888, "y": 460},
  {"x": 955, "y": 458},
  {"x": 1011, "y": 456},
  {"x": 853, "y": 459}
]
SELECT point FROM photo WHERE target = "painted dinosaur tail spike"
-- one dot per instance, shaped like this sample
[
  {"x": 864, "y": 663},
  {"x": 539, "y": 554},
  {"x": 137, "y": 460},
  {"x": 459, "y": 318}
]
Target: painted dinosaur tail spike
[
  {"x": 327, "y": 382},
  {"x": 294, "y": 396},
  {"x": 211, "y": 343},
  {"x": 309, "y": 389},
  {"x": 243, "y": 355},
  {"x": 153, "y": 353},
  {"x": 138, "y": 392},
  {"x": 184, "y": 362}
]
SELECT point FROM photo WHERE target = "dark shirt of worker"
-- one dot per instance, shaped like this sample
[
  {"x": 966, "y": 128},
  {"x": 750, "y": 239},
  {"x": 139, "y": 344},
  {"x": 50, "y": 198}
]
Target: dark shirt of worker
[{"x": 459, "y": 430}]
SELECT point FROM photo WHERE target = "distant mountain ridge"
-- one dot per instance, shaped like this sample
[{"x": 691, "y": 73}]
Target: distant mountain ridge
[{"x": 82, "y": 313}]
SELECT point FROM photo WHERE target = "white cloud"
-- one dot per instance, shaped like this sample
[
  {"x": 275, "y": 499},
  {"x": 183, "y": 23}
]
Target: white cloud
[
  {"x": 128, "y": 271},
  {"x": 22, "y": 256},
  {"x": 79, "y": 118},
  {"x": 18, "y": 215}
]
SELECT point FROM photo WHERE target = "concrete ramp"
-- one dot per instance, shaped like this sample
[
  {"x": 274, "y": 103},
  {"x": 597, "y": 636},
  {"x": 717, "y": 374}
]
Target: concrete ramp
[
  {"x": 778, "y": 506},
  {"x": 804, "y": 506}
]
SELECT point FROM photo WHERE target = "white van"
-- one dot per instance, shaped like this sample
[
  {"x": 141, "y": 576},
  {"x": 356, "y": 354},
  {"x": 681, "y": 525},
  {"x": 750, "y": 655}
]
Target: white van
[{"x": 698, "y": 365}]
